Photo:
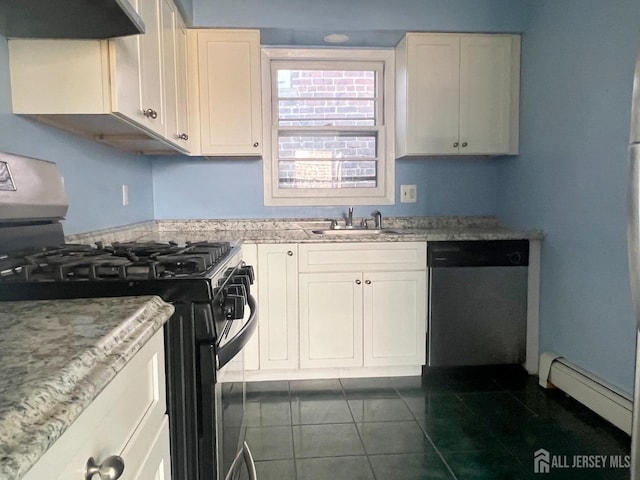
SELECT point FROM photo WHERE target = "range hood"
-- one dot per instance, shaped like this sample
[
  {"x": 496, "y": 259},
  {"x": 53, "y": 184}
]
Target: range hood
[{"x": 79, "y": 19}]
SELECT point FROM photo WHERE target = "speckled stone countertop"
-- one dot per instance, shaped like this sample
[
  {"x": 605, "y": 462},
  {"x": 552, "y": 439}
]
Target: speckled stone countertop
[
  {"x": 410, "y": 229},
  {"x": 56, "y": 356}
]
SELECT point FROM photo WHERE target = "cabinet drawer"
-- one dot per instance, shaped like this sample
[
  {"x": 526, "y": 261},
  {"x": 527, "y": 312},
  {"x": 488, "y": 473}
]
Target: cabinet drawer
[
  {"x": 132, "y": 403},
  {"x": 362, "y": 257}
]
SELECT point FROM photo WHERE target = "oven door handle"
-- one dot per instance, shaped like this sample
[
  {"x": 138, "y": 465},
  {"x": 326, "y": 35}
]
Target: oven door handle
[
  {"x": 245, "y": 454},
  {"x": 237, "y": 343}
]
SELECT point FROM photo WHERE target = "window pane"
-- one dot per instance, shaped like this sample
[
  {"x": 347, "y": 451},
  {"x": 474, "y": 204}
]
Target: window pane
[
  {"x": 305, "y": 112},
  {"x": 327, "y": 146},
  {"x": 310, "y": 174},
  {"x": 326, "y": 83}
]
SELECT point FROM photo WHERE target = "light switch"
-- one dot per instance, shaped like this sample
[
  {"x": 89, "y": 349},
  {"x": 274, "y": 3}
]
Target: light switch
[{"x": 408, "y": 194}]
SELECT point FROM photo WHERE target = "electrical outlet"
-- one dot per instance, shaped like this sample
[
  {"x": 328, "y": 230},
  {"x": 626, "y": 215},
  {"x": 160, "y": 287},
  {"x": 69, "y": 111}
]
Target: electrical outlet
[
  {"x": 408, "y": 194},
  {"x": 125, "y": 195}
]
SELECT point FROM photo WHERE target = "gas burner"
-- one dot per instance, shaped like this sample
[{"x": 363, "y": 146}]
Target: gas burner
[{"x": 119, "y": 261}]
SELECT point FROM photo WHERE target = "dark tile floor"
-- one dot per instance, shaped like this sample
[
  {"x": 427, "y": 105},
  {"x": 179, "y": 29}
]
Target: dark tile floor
[{"x": 473, "y": 423}]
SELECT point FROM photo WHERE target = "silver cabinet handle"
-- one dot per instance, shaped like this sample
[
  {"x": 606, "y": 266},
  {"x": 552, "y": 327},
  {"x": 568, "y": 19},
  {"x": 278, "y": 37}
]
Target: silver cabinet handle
[
  {"x": 183, "y": 136},
  {"x": 368, "y": 282},
  {"x": 456, "y": 144},
  {"x": 150, "y": 113},
  {"x": 256, "y": 144},
  {"x": 358, "y": 282},
  {"x": 464, "y": 144},
  {"x": 290, "y": 253},
  {"x": 110, "y": 469}
]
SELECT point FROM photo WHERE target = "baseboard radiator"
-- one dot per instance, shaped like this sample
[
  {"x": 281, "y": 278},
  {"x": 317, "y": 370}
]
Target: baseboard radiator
[{"x": 607, "y": 401}]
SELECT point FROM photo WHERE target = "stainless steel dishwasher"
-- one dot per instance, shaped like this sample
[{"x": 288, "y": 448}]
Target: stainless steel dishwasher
[{"x": 477, "y": 302}]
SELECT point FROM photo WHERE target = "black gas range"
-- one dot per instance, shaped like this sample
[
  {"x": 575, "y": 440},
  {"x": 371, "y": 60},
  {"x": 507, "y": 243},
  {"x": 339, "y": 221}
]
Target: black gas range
[{"x": 207, "y": 282}]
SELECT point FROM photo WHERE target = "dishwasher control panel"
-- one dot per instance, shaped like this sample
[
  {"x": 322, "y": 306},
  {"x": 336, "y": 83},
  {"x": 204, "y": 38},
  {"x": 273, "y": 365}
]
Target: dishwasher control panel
[{"x": 485, "y": 253}]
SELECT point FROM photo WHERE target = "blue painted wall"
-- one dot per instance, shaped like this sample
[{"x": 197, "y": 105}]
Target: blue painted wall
[
  {"x": 364, "y": 15},
  {"x": 570, "y": 179},
  {"x": 233, "y": 188},
  {"x": 445, "y": 186},
  {"x": 93, "y": 173}
]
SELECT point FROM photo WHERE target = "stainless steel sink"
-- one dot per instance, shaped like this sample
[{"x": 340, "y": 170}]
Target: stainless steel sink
[{"x": 356, "y": 231}]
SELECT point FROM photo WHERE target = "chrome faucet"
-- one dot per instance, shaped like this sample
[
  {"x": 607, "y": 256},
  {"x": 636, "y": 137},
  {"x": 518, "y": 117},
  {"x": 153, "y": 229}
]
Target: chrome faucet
[
  {"x": 349, "y": 219},
  {"x": 377, "y": 218}
]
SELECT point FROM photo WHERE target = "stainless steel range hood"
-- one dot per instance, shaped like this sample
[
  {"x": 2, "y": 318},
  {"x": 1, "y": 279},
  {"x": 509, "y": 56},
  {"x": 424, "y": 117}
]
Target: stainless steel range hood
[{"x": 69, "y": 19}]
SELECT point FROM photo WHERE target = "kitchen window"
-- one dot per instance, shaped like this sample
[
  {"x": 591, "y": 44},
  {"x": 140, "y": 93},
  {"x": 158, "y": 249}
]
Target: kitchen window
[{"x": 328, "y": 117}]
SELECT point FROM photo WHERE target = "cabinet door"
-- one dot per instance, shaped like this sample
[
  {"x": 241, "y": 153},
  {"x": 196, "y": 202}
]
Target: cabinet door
[
  {"x": 330, "y": 320},
  {"x": 433, "y": 94},
  {"x": 124, "y": 419},
  {"x": 278, "y": 306},
  {"x": 168, "y": 18},
  {"x": 485, "y": 94},
  {"x": 229, "y": 78},
  {"x": 152, "y": 104},
  {"x": 136, "y": 70},
  {"x": 394, "y": 318},
  {"x": 182, "y": 128},
  {"x": 126, "y": 94}
]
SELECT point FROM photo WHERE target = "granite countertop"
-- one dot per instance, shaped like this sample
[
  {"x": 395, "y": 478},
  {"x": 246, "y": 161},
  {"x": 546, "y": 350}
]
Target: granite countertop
[
  {"x": 411, "y": 229},
  {"x": 56, "y": 356}
]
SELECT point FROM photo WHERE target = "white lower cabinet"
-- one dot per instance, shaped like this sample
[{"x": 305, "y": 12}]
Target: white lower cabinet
[
  {"x": 278, "y": 306},
  {"x": 328, "y": 307},
  {"x": 362, "y": 319},
  {"x": 128, "y": 418}
]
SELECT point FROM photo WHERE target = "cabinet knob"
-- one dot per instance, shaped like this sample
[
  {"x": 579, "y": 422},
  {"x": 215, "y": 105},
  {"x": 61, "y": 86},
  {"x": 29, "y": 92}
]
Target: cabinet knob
[
  {"x": 456, "y": 144},
  {"x": 368, "y": 282},
  {"x": 464, "y": 144},
  {"x": 150, "y": 113},
  {"x": 183, "y": 136},
  {"x": 358, "y": 282},
  {"x": 110, "y": 469},
  {"x": 290, "y": 253},
  {"x": 256, "y": 144}
]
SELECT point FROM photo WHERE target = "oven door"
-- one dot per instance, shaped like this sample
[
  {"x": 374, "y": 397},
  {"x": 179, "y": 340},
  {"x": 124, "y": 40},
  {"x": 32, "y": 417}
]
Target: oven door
[{"x": 222, "y": 398}]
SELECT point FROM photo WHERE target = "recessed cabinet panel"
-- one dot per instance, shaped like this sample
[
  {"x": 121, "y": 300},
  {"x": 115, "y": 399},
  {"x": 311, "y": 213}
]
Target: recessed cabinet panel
[
  {"x": 435, "y": 84},
  {"x": 331, "y": 257},
  {"x": 225, "y": 93}
]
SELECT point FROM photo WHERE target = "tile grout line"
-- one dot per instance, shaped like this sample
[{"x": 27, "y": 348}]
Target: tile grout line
[
  {"x": 366, "y": 455},
  {"x": 437, "y": 450},
  {"x": 293, "y": 442}
]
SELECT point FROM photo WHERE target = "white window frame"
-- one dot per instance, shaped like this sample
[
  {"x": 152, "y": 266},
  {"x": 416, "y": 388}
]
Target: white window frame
[{"x": 383, "y": 193}]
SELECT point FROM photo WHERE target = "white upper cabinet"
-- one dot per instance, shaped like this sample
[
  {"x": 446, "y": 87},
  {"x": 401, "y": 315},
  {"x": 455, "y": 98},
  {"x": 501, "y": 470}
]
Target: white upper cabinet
[
  {"x": 183, "y": 127},
  {"x": 122, "y": 92},
  {"x": 225, "y": 66},
  {"x": 457, "y": 94}
]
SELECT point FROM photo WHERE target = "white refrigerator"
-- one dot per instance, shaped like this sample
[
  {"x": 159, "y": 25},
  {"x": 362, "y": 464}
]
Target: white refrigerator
[{"x": 633, "y": 243}]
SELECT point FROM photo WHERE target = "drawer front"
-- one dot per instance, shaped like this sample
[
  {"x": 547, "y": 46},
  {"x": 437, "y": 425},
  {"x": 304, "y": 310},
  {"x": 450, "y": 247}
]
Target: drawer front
[
  {"x": 134, "y": 399},
  {"x": 362, "y": 257}
]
